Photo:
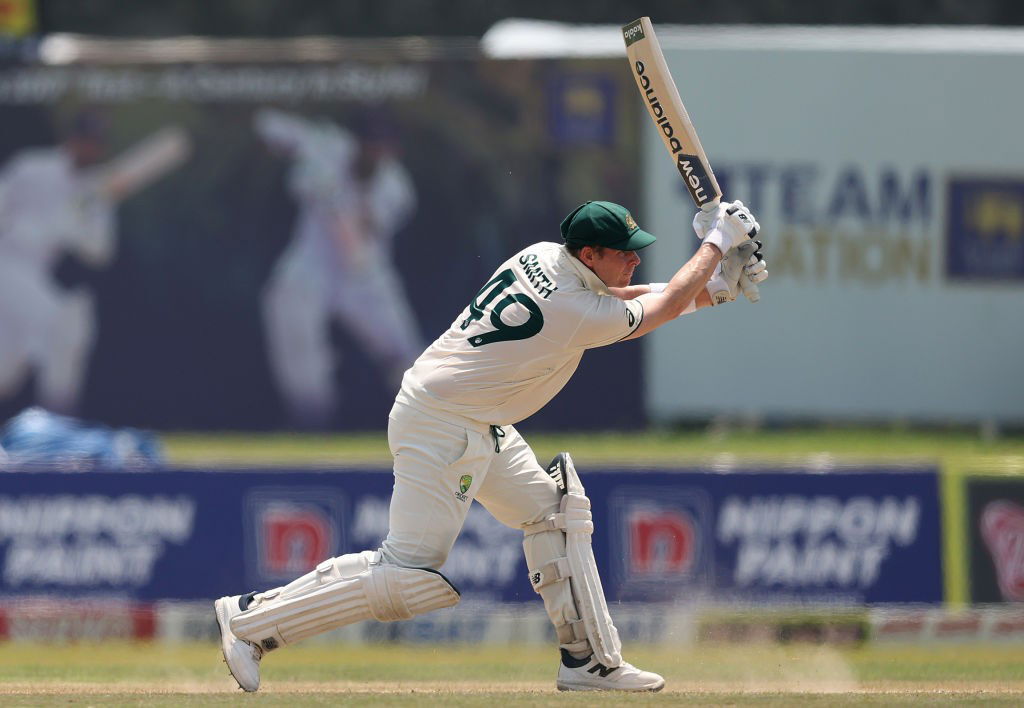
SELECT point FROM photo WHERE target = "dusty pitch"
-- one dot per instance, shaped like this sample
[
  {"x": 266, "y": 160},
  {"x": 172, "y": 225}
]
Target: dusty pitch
[
  {"x": 112, "y": 674},
  {"x": 439, "y": 688}
]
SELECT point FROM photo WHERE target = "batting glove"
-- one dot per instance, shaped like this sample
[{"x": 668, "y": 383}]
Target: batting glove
[
  {"x": 750, "y": 278},
  {"x": 727, "y": 226},
  {"x": 740, "y": 270}
]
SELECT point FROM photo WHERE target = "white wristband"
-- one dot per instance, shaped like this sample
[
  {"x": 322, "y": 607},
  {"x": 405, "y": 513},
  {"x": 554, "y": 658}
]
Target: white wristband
[{"x": 658, "y": 287}]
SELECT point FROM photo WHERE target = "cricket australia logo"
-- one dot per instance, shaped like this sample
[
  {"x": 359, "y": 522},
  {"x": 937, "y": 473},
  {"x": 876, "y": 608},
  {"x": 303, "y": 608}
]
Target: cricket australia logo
[
  {"x": 631, "y": 222},
  {"x": 465, "y": 482}
]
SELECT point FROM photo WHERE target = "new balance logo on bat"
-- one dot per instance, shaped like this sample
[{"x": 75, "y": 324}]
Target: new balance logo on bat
[{"x": 694, "y": 174}]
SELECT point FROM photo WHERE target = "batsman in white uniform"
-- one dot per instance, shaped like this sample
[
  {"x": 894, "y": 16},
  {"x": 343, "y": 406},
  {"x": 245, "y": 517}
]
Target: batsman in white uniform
[
  {"x": 50, "y": 205},
  {"x": 452, "y": 435},
  {"x": 55, "y": 201},
  {"x": 353, "y": 196}
]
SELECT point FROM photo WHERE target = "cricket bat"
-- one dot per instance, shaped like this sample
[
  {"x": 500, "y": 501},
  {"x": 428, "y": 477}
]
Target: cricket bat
[
  {"x": 144, "y": 163},
  {"x": 668, "y": 113}
]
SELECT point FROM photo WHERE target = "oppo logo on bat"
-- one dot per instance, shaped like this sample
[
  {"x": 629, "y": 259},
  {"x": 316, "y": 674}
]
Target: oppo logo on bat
[
  {"x": 633, "y": 33},
  {"x": 690, "y": 167}
]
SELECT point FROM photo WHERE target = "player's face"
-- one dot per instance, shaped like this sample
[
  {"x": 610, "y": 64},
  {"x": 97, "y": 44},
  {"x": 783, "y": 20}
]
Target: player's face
[
  {"x": 615, "y": 268},
  {"x": 85, "y": 151}
]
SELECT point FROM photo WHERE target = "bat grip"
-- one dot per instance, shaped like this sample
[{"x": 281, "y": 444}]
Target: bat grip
[{"x": 712, "y": 205}]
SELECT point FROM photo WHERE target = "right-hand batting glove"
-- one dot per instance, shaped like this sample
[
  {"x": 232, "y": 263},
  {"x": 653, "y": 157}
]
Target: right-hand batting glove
[
  {"x": 727, "y": 226},
  {"x": 752, "y": 275},
  {"x": 740, "y": 270}
]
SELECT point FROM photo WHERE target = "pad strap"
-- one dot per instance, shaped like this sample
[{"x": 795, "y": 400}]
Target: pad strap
[
  {"x": 574, "y": 508},
  {"x": 554, "y": 522},
  {"x": 553, "y": 572},
  {"x": 572, "y": 636}
]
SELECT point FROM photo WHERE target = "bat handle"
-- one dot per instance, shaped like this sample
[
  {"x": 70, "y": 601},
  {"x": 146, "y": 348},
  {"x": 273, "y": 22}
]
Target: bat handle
[{"x": 712, "y": 205}]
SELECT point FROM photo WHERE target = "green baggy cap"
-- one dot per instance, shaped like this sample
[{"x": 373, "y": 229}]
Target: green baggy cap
[{"x": 604, "y": 224}]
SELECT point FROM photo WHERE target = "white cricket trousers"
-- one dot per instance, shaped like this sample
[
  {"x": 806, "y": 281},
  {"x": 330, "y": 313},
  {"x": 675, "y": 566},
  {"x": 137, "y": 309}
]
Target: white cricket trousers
[
  {"x": 440, "y": 467},
  {"x": 433, "y": 460}
]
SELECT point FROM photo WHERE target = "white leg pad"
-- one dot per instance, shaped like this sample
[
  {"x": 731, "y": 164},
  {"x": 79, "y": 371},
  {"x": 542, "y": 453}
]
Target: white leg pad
[
  {"x": 341, "y": 591},
  {"x": 586, "y": 586},
  {"x": 577, "y": 570},
  {"x": 549, "y": 577}
]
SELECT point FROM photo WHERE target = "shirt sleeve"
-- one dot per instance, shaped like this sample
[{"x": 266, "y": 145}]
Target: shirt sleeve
[
  {"x": 282, "y": 130},
  {"x": 607, "y": 320}
]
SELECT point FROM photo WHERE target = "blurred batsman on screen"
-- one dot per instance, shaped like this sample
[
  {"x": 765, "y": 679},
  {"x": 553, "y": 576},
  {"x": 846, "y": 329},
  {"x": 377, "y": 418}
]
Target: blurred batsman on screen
[
  {"x": 451, "y": 432},
  {"x": 55, "y": 202},
  {"x": 353, "y": 196}
]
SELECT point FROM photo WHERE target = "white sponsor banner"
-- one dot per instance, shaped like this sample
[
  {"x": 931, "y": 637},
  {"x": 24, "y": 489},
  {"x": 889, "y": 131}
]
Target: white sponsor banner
[
  {"x": 88, "y": 540},
  {"x": 793, "y": 542},
  {"x": 890, "y": 189}
]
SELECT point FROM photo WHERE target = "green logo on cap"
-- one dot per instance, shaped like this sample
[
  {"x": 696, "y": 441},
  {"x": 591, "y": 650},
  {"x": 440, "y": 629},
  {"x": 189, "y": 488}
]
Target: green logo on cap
[{"x": 465, "y": 483}]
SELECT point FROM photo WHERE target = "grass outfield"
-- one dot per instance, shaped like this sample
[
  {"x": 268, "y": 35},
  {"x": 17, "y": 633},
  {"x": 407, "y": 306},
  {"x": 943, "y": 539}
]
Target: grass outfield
[
  {"x": 955, "y": 447},
  {"x": 192, "y": 675}
]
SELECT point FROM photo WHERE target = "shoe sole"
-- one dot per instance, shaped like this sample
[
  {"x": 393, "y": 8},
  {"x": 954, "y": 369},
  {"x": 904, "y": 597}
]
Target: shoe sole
[
  {"x": 588, "y": 687},
  {"x": 222, "y": 625}
]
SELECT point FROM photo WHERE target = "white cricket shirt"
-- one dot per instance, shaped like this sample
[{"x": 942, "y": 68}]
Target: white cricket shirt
[
  {"x": 519, "y": 340},
  {"x": 322, "y": 181},
  {"x": 47, "y": 207}
]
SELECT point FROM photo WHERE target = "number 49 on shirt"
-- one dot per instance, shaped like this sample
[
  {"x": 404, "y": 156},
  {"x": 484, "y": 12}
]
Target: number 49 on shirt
[{"x": 502, "y": 332}]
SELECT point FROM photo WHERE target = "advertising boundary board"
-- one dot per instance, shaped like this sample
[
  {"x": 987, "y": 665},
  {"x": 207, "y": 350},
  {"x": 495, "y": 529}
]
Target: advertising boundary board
[
  {"x": 855, "y": 209},
  {"x": 954, "y": 536},
  {"x": 959, "y": 480},
  {"x": 754, "y": 535},
  {"x": 982, "y": 568},
  {"x": 771, "y": 535}
]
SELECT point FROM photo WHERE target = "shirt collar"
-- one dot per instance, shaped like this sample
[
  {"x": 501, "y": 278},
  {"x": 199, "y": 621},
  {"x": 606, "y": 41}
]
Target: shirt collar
[{"x": 590, "y": 278}]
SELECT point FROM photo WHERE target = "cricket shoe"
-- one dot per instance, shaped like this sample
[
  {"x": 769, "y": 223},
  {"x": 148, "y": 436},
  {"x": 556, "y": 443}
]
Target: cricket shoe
[
  {"x": 242, "y": 657},
  {"x": 591, "y": 675}
]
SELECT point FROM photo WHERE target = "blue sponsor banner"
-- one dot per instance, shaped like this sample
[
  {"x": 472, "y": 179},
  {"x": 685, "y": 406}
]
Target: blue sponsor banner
[
  {"x": 196, "y": 535},
  {"x": 858, "y": 536},
  {"x": 985, "y": 229},
  {"x": 866, "y": 535}
]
